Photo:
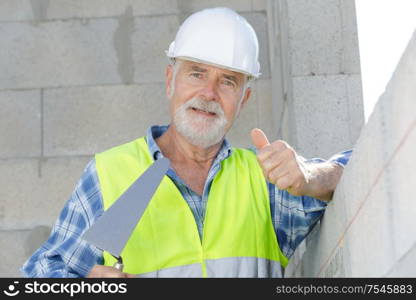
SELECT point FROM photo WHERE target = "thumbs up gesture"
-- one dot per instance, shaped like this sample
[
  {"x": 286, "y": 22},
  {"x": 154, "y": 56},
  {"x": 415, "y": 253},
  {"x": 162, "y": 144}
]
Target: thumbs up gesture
[{"x": 280, "y": 163}]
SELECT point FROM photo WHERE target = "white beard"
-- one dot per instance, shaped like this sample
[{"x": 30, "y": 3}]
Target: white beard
[{"x": 200, "y": 130}]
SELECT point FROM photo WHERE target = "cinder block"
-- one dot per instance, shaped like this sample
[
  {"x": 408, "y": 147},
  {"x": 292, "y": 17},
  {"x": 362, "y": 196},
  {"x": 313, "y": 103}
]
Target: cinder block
[
  {"x": 321, "y": 246},
  {"x": 350, "y": 52},
  {"x": 188, "y": 6},
  {"x": 294, "y": 267},
  {"x": 18, "y": 245},
  {"x": 15, "y": 10},
  {"x": 86, "y": 120},
  {"x": 355, "y": 106},
  {"x": 58, "y": 54},
  {"x": 40, "y": 10},
  {"x": 371, "y": 228},
  {"x": 151, "y": 37},
  {"x": 256, "y": 113},
  {"x": 259, "y": 5},
  {"x": 19, "y": 181},
  {"x": 337, "y": 265},
  {"x": 362, "y": 179},
  {"x": 35, "y": 192},
  {"x": 63, "y": 9},
  {"x": 239, "y": 135},
  {"x": 401, "y": 178},
  {"x": 319, "y": 101},
  {"x": 20, "y": 123},
  {"x": 316, "y": 44},
  {"x": 406, "y": 266},
  {"x": 266, "y": 119},
  {"x": 400, "y": 111},
  {"x": 391, "y": 120},
  {"x": 36, "y": 237},
  {"x": 259, "y": 22},
  {"x": 13, "y": 254}
]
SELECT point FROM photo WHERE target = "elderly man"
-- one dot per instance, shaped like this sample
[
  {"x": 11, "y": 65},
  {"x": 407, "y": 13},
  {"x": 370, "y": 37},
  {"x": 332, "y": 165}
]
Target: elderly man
[{"x": 220, "y": 211}]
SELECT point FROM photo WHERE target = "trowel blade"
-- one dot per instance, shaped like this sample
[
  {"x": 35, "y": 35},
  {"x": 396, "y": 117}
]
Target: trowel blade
[{"x": 112, "y": 230}]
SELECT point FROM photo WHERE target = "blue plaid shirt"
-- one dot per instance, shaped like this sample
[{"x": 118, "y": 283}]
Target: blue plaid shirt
[{"x": 65, "y": 254}]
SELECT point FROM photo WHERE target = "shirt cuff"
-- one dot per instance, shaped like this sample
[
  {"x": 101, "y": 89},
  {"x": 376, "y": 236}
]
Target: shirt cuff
[{"x": 341, "y": 158}]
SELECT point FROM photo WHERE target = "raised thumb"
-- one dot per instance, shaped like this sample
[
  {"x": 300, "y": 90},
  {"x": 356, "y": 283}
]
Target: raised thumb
[{"x": 259, "y": 138}]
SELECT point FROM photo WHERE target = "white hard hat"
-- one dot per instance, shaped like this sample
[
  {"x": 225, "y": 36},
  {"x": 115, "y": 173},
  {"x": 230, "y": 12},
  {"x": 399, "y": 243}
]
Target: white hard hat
[{"x": 218, "y": 36}]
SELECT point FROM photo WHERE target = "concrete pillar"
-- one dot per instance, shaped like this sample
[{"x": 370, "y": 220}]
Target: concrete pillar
[{"x": 316, "y": 82}]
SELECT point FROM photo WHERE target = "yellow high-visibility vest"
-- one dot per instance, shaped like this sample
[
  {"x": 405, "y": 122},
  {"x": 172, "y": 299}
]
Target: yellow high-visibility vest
[{"x": 238, "y": 234}]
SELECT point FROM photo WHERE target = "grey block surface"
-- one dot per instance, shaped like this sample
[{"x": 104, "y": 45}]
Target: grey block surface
[
  {"x": 259, "y": 5},
  {"x": 36, "y": 237},
  {"x": 317, "y": 102},
  {"x": 239, "y": 134},
  {"x": 406, "y": 266},
  {"x": 15, "y": 10},
  {"x": 64, "y": 9},
  {"x": 187, "y": 6},
  {"x": 256, "y": 113},
  {"x": 40, "y": 10},
  {"x": 259, "y": 22},
  {"x": 20, "y": 245},
  {"x": 355, "y": 106},
  {"x": 83, "y": 121},
  {"x": 35, "y": 192},
  {"x": 150, "y": 39},
  {"x": 12, "y": 257},
  {"x": 368, "y": 229},
  {"x": 20, "y": 123},
  {"x": 323, "y": 37},
  {"x": 349, "y": 29},
  {"x": 263, "y": 94},
  {"x": 58, "y": 53}
]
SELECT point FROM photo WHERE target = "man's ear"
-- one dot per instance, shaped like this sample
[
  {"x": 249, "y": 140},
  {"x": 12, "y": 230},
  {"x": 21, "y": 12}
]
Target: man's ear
[
  {"x": 169, "y": 77},
  {"x": 246, "y": 97}
]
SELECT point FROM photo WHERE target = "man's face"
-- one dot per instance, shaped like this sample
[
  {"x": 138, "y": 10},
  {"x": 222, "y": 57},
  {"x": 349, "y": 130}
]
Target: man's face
[{"x": 204, "y": 100}]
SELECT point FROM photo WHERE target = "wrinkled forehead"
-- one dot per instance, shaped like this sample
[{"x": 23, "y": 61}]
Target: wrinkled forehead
[{"x": 186, "y": 64}]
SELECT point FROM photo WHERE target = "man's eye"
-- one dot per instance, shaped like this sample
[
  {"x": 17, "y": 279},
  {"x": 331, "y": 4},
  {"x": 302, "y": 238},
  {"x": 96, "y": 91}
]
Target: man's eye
[
  {"x": 228, "y": 83},
  {"x": 196, "y": 75}
]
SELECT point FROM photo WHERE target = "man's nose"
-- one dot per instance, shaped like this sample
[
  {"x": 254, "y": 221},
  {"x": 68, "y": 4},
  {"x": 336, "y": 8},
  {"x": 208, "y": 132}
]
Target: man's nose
[{"x": 210, "y": 91}]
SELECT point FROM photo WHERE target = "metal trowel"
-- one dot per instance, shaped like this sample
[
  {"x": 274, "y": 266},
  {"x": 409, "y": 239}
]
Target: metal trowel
[{"x": 112, "y": 230}]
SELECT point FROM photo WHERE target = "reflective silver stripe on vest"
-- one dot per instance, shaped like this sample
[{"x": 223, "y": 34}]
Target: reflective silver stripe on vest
[
  {"x": 194, "y": 270},
  {"x": 243, "y": 267},
  {"x": 224, "y": 267}
]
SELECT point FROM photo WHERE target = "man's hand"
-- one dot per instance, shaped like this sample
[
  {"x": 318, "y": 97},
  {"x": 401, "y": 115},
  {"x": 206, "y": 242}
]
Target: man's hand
[
  {"x": 280, "y": 163},
  {"x": 99, "y": 271},
  {"x": 287, "y": 170}
]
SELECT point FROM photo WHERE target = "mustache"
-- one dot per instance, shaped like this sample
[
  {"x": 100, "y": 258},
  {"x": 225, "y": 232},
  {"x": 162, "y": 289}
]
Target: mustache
[{"x": 208, "y": 106}]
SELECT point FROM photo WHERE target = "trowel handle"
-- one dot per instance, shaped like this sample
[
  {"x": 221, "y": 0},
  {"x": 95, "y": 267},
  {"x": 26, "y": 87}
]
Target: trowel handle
[{"x": 119, "y": 264}]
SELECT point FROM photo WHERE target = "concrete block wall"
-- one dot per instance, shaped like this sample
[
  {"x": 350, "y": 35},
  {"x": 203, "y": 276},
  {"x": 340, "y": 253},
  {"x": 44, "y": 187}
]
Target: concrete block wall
[
  {"x": 79, "y": 77},
  {"x": 369, "y": 229},
  {"x": 316, "y": 74},
  {"x": 316, "y": 81},
  {"x": 82, "y": 76}
]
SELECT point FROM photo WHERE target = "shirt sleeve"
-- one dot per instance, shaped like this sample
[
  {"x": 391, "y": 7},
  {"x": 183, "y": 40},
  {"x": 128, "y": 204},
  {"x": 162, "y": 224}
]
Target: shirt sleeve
[
  {"x": 65, "y": 254},
  {"x": 295, "y": 216},
  {"x": 341, "y": 158}
]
